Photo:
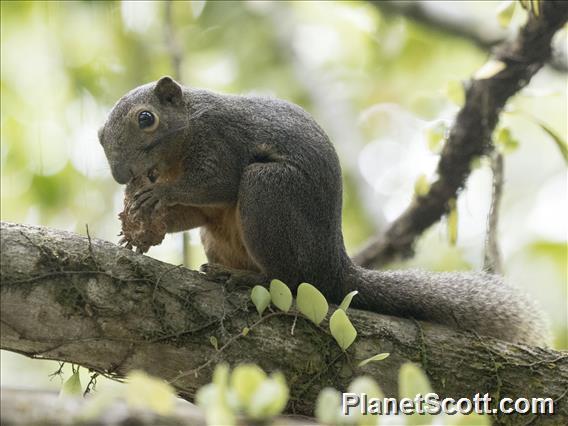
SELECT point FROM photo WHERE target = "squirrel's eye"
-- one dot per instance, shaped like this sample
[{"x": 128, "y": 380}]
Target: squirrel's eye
[{"x": 146, "y": 120}]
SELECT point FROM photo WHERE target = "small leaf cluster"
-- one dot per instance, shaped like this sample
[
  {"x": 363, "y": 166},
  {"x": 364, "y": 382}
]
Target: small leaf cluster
[
  {"x": 412, "y": 381},
  {"x": 246, "y": 391},
  {"x": 312, "y": 304}
]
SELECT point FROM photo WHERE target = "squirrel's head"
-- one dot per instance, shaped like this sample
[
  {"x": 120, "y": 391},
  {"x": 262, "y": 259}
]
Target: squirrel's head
[{"x": 139, "y": 125}]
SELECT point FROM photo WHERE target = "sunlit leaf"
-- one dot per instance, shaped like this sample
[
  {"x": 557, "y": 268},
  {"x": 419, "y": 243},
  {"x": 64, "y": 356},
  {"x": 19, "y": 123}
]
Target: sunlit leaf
[
  {"x": 281, "y": 295},
  {"x": 341, "y": 329},
  {"x": 72, "y": 386},
  {"x": 421, "y": 186},
  {"x": 270, "y": 398},
  {"x": 328, "y": 406},
  {"x": 221, "y": 376},
  {"x": 453, "y": 222},
  {"x": 367, "y": 385},
  {"x": 245, "y": 380},
  {"x": 435, "y": 134},
  {"x": 311, "y": 303},
  {"x": 144, "y": 391},
  {"x": 213, "y": 403},
  {"x": 504, "y": 140},
  {"x": 560, "y": 143},
  {"x": 260, "y": 297},
  {"x": 347, "y": 300},
  {"x": 536, "y": 5},
  {"x": 505, "y": 13},
  {"x": 378, "y": 357},
  {"x": 455, "y": 92},
  {"x": 489, "y": 69},
  {"x": 411, "y": 382},
  {"x": 206, "y": 395},
  {"x": 245, "y": 331},
  {"x": 214, "y": 343}
]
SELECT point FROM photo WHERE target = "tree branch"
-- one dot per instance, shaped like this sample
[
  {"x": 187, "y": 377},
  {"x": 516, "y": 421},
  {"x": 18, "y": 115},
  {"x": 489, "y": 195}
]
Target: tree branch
[
  {"x": 462, "y": 25},
  {"x": 111, "y": 310},
  {"x": 470, "y": 136}
]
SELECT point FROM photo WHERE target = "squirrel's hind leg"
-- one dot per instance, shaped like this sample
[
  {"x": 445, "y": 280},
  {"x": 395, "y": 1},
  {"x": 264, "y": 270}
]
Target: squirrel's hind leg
[{"x": 287, "y": 228}]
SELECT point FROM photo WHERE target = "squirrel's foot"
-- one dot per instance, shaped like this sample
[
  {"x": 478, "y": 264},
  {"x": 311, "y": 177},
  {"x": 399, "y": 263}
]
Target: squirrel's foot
[{"x": 234, "y": 278}]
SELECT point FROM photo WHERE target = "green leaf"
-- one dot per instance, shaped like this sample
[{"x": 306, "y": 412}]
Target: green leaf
[
  {"x": 281, "y": 295},
  {"x": 213, "y": 402},
  {"x": 560, "y": 143},
  {"x": 145, "y": 391},
  {"x": 453, "y": 222},
  {"x": 347, "y": 300},
  {"x": 421, "y": 186},
  {"x": 72, "y": 386},
  {"x": 504, "y": 140},
  {"x": 435, "y": 133},
  {"x": 270, "y": 398},
  {"x": 367, "y": 385},
  {"x": 341, "y": 329},
  {"x": 489, "y": 69},
  {"x": 214, "y": 343},
  {"x": 505, "y": 13},
  {"x": 328, "y": 406},
  {"x": 260, "y": 297},
  {"x": 378, "y": 357},
  {"x": 218, "y": 414},
  {"x": 455, "y": 92},
  {"x": 535, "y": 7},
  {"x": 221, "y": 376},
  {"x": 413, "y": 381},
  {"x": 312, "y": 303},
  {"x": 245, "y": 380},
  {"x": 245, "y": 331}
]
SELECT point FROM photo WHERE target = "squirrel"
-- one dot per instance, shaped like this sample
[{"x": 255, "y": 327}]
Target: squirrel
[{"x": 263, "y": 181}]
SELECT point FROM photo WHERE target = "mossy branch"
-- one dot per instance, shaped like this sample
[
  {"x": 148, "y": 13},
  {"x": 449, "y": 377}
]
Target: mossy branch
[{"x": 95, "y": 304}]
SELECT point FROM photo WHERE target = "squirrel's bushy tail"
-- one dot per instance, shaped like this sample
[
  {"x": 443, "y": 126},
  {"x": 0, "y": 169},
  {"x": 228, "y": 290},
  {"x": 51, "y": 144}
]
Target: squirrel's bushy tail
[{"x": 479, "y": 302}]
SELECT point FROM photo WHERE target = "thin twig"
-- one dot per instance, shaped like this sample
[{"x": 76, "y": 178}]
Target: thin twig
[
  {"x": 492, "y": 256},
  {"x": 176, "y": 58},
  {"x": 171, "y": 42}
]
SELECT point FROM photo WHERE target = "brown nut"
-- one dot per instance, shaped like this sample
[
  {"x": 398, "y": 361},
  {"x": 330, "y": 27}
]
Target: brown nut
[{"x": 141, "y": 232}]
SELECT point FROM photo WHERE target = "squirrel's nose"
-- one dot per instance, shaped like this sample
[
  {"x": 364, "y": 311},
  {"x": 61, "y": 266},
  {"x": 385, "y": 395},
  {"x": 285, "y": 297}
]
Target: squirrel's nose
[{"x": 121, "y": 173}]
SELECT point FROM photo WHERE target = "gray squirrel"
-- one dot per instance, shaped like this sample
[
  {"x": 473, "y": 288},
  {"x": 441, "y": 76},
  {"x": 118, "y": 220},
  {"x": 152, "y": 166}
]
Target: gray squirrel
[{"x": 262, "y": 179}]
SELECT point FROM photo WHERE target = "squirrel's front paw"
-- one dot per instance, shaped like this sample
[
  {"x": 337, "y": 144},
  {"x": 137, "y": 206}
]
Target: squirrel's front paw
[{"x": 148, "y": 199}]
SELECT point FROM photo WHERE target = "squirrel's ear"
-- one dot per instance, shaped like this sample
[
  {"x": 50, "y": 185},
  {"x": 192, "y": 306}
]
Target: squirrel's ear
[{"x": 168, "y": 91}]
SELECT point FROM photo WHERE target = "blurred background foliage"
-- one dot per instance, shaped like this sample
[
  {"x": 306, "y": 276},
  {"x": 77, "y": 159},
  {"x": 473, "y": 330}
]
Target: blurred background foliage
[{"x": 375, "y": 82}]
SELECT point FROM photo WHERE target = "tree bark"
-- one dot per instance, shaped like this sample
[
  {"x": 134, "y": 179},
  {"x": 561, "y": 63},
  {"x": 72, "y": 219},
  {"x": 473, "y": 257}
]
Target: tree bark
[{"x": 69, "y": 298}]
